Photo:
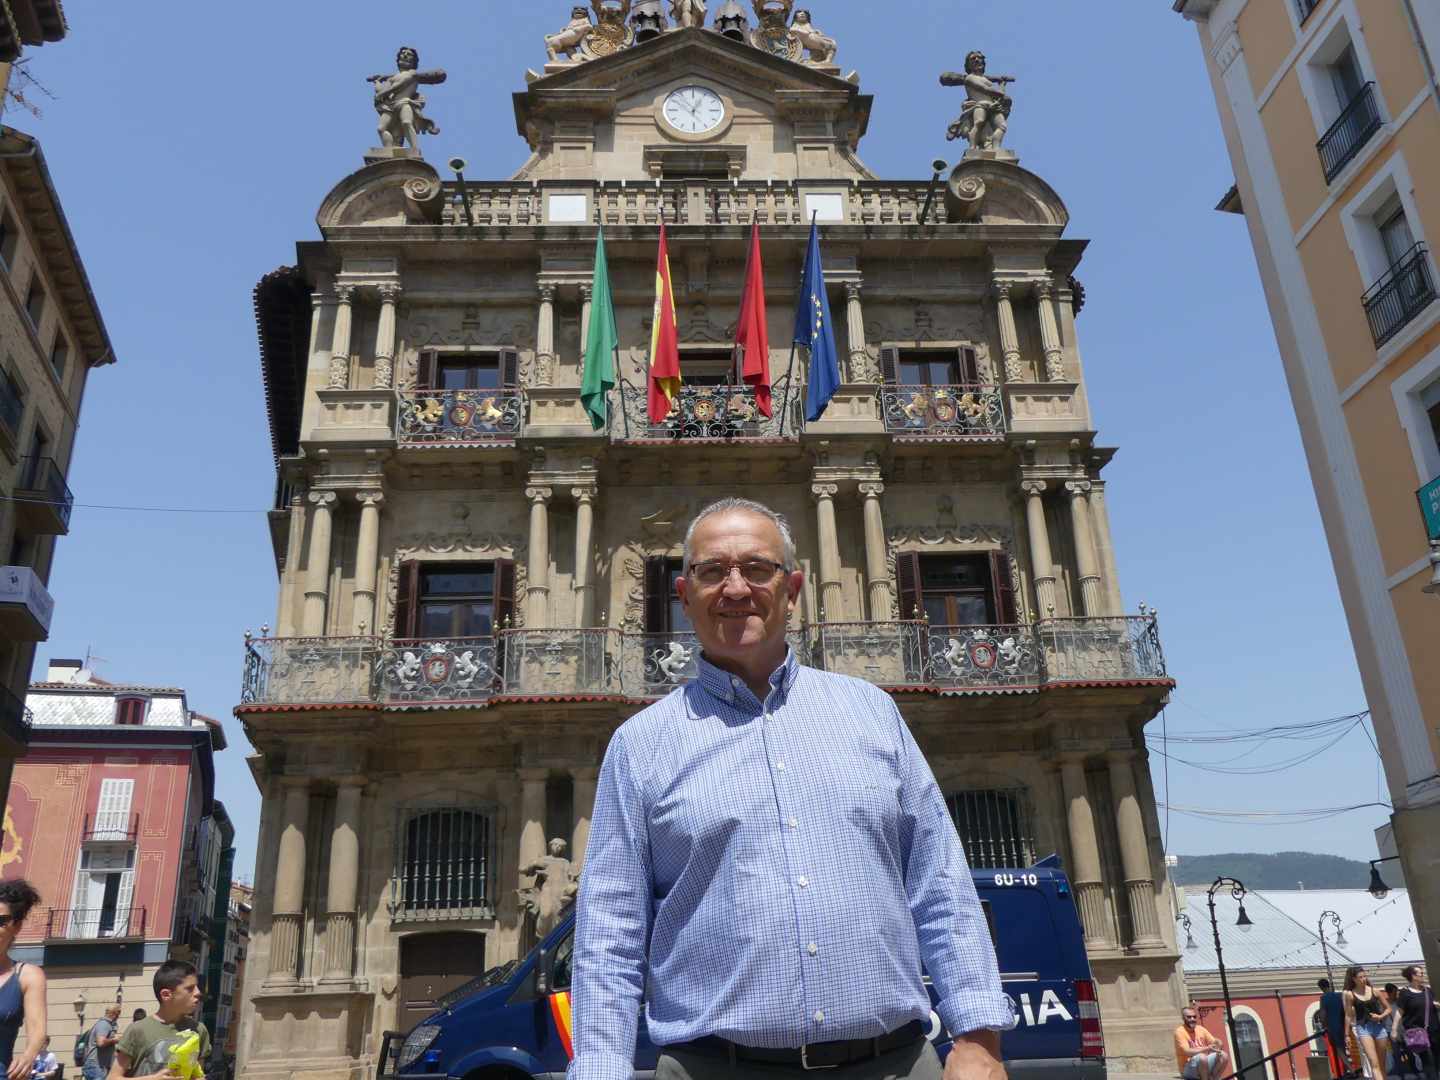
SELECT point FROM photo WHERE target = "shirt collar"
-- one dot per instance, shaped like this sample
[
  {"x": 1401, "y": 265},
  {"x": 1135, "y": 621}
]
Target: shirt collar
[{"x": 726, "y": 687}]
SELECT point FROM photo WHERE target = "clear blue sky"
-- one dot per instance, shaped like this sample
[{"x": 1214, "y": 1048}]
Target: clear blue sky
[{"x": 192, "y": 144}]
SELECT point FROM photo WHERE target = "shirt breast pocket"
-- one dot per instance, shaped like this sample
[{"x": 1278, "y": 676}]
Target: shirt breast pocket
[{"x": 863, "y": 796}]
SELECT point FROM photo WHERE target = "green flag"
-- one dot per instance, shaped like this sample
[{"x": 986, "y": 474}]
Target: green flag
[{"x": 600, "y": 349}]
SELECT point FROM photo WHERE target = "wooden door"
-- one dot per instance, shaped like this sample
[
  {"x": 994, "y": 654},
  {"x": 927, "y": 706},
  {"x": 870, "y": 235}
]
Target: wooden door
[{"x": 431, "y": 965}]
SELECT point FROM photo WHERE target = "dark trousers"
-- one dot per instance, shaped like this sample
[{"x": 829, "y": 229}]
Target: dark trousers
[{"x": 916, "y": 1062}]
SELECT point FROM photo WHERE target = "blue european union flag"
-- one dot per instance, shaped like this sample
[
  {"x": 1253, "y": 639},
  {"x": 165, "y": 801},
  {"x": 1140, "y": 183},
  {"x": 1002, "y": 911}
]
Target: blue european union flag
[{"x": 816, "y": 332}]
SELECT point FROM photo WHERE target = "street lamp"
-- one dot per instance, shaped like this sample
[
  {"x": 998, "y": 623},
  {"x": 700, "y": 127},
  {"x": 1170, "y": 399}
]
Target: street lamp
[
  {"x": 1190, "y": 943},
  {"x": 1378, "y": 889},
  {"x": 1334, "y": 920},
  {"x": 1237, "y": 890}
]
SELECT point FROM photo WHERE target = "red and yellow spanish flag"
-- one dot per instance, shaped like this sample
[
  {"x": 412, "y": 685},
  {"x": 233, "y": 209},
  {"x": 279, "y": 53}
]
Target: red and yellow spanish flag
[
  {"x": 752, "y": 334},
  {"x": 664, "y": 341}
]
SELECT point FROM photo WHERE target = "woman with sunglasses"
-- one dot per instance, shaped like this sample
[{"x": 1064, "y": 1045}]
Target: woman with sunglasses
[
  {"x": 1369, "y": 1017},
  {"x": 22, "y": 986}
]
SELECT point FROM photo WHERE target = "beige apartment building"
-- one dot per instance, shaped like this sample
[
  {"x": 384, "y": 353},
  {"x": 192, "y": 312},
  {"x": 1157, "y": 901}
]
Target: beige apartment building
[
  {"x": 51, "y": 335},
  {"x": 476, "y": 589},
  {"x": 1331, "y": 111}
]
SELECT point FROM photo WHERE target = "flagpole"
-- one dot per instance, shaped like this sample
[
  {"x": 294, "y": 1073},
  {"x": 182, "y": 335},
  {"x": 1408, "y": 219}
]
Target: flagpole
[
  {"x": 624, "y": 412},
  {"x": 794, "y": 345}
]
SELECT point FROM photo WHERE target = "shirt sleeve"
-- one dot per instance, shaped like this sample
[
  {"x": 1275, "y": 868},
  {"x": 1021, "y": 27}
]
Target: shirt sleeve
[
  {"x": 953, "y": 933},
  {"x": 613, "y": 921},
  {"x": 132, "y": 1043}
]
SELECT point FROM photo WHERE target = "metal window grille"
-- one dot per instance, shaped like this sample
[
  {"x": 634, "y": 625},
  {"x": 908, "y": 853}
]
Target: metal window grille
[
  {"x": 1402, "y": 293},
  {"x": 994, "y": 825},
  {"x": 1359, "y": 120},
  {"x": 442, "y": 864}
]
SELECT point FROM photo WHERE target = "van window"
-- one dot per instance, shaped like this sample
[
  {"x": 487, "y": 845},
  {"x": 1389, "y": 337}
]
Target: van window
[
  {"x": 1024, "y": 931},
  {"x": 560, "y": 970}
]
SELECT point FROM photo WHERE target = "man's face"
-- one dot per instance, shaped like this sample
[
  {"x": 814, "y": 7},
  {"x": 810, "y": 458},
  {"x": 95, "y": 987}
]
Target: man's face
[
  {"x": 186, "y": 996},
  {"x": 1190, "y": 1018},
  {"x": 738, "y": 617}
]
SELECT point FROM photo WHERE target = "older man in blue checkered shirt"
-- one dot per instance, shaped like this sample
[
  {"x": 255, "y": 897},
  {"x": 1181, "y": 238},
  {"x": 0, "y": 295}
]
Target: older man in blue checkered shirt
[{"x": 771, "y": 861}]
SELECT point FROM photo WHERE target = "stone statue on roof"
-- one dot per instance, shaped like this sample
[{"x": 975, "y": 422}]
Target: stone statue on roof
[
  {"x": 688, "y": 12},
  {"x": 569, "y": 40},
  {"x": 984, "y": 118},
  {"x": 821, "y": 47},
  {"x": 401, "y": 105}
]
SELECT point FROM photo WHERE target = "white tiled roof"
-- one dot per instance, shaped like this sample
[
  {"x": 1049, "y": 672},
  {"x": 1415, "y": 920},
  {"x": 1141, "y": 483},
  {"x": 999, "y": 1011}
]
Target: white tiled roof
[{"x": 71, "y": 709}]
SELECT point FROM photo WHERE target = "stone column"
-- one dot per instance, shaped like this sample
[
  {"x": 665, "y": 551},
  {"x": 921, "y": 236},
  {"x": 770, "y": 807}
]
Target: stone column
[
  {"x": 1100, "y": 521},
  {"x": 317, "y": 569},
  {"x": 537, "y": 588},
  {"x": 385, "y": 337},
  {"x": 583, "y": 782},
  {"x": 860, "y": 370},
  {"x": 1088, "y": 564},
  {"x": 367, "y": 557},
  {"x": 1009, "y": 336},
  {"x": 1050, "y": 331},
  {"x": 294, "y": 541},
  {"x": 320, "y": 352},
  {"x": 532, "y": 815},
  {"x": 340, "y": 340},
  {"x": 288, "y": 913},
  {"x": 1084, "y": 850},
  {"x": 877, "y": 564},
  {"x": 587, "y": 296},
  {"x": 343, "y": 881},
  {"x": 1134, "y": 849},
  {"x": 1042, "y": 563},
  {"x": 584, "y": 555},
  {"x": 545, "y": 337},
  {"x": 832, "y": 608}
]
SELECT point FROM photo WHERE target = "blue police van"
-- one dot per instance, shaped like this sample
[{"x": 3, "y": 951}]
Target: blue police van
[{"x": 514, "y": 1022}]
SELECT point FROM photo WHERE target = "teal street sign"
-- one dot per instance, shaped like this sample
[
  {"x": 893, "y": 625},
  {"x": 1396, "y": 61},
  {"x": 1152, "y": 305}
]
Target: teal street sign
[{"x": 1430, "y": 507}]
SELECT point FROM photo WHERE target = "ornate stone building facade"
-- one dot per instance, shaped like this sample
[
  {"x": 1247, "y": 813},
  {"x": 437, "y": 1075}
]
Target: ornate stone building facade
[{"x": 475, "y": 587}]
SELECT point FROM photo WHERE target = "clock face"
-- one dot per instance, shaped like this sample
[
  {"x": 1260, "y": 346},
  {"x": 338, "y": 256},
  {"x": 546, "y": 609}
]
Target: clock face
[{"x": 694, "y": 110}]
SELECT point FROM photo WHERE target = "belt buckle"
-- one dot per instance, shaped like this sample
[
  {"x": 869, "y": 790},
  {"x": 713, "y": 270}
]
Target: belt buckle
[{"x": 805, "y": 1061}]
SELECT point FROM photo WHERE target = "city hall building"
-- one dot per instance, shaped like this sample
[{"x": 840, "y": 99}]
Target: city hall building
[{"x": 476, "y": 587}]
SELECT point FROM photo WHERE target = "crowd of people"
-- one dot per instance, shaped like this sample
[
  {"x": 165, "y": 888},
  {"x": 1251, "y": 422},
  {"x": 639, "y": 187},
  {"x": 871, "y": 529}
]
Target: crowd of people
[
  {"x": 1375, "y": 1031},
  {"x": 146, "y": 1050}
]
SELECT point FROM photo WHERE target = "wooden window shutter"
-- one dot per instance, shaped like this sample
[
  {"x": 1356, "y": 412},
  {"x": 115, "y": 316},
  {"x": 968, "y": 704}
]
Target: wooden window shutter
[
  {"x": 907, "y": 573},
  {"x": 407, "y": 601},
  {"x": 504, "y": 607},
  {"x": 1004, "y": 589},
  {"x": 969, "y": 365},
  {"x": 889, "y": 365},
  {"x": 427, "y": 370},
  {"x": 509, "y": 367},
  {"x": 657, "y": 594}
]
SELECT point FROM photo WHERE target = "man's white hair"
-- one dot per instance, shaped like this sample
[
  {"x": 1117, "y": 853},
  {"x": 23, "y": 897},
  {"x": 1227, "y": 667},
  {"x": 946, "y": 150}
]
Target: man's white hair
[{"x": 725, "y": 506}]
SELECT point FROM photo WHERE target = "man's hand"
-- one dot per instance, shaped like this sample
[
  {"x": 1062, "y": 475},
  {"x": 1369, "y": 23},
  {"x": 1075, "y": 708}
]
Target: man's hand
[{"x": 975, "y": 1056}]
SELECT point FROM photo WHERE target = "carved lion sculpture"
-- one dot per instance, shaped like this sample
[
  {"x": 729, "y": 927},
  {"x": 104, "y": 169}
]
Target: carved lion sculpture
[
  {"x": 571, "y": 38},
  {"x": 822, "y": 47}
]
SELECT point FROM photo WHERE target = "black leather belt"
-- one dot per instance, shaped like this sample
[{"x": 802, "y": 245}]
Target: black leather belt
[{"x": 826, "y": 1055}]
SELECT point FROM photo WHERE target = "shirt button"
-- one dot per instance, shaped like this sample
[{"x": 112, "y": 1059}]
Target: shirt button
[
  {"x": 779, "y": 766},
  {"x": 803, "y": 882},
  {"x": 819, "y": 1017},
  {"x": 812, "y": 948},
  {"x": 794, "y": 823}
]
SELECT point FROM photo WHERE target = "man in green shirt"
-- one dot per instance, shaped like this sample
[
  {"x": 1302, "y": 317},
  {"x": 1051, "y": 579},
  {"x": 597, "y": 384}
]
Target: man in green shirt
[{"x": 144, "y": 1049}]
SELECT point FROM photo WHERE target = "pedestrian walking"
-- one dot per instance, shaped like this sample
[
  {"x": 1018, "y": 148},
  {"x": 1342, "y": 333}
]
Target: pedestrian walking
[
  {"x": 771, "y": 861},
  {"x": 100, "y": 1045},
  {"x": 144, "y": 1049},
  {"x": 1369, "y": 1017},
  {"x": 1417, "y": 1015},
  {"x": 22, "y": 985},
  {"x": 1332, "y": 1017}
]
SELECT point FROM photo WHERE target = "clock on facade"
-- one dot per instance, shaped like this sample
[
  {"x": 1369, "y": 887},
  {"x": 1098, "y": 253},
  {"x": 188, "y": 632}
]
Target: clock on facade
[{"x": 694, "y": 110}]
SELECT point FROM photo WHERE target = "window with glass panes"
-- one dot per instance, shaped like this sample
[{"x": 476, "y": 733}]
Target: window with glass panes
[
  {"x": 449, "y": 601},
  {"x": 1395, "y": 233},
  {"x": 930, "y": 367},
  {"x": 495, "y": 369},
  {"x": 1346, "y": 77},
  {"x": 664, "y": 614},
  {"x": 956, "y": 590}
]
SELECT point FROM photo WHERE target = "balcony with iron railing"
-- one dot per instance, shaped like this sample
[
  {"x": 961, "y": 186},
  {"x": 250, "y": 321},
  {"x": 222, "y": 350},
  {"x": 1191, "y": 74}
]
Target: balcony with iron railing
[
  {"x": 1405, "y": 290},
  {"x": 719, "y": 413},
  {"x": 95, "y": 924},
  {"x": 110, "y": 826},
  {"x": 42, "y": 497},
  {"x": 1352, "y": 129},
  {"x": 602, "y": 663},
  {"x": 458, "y": 417},
  {"x": 943, "y": 412}
]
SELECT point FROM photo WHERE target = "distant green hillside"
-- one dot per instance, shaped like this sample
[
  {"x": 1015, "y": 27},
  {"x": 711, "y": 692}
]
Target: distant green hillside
[{"x": 1282, "y": 870}]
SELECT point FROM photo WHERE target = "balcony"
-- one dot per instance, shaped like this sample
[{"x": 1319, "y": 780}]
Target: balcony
[
  {"x": 108, "y": 826},
  {"x": 944, "y": 412},
  {"x": 42, "y": 498},
  {"x": 427, "y": 672},
  {"x": 1405, "y": 291},
  {"x": 1350, "y": 132},
  {"x": 95, "y": 924},
  {"x": 309, "y": 671},
  {"x": 25, "y": 605},
  {"x": 708, "y": 413},
  {"x": 458, "y": 417}
]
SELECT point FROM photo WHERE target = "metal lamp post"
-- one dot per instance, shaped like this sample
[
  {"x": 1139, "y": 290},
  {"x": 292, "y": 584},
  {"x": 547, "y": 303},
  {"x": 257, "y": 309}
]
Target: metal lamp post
[
  {"x": 1334, "y": 920},
  {"x": 1237, "y": 890},
  {"x": 1378, "y": 889},
  {"x": 1190, "y": 944}
]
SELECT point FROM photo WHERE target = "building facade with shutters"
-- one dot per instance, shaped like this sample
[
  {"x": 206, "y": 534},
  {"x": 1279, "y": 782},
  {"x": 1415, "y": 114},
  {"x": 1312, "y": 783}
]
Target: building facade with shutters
[
  {"x": 476, "y": 588},
  {"x": 1331, "y": 113},
  {"x": 112, "y": 817}
]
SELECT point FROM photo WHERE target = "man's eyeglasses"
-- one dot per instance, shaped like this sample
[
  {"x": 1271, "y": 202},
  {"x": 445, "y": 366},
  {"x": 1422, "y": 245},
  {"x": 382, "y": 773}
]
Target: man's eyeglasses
[{"x": 718, "y": 571}]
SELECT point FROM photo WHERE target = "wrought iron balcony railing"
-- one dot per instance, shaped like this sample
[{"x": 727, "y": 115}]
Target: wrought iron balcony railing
[
  {"x": 109, "y": 825},
  {"x": 94, "y": 924},
  {"x": 1120, "y": 648},
  {"x": 458, "y": 417},
  {"x": 967, "y": 411},
  {"x": 912, "y": 653},
  {"x": 305, "y": 671},
  {"x": 1350, "y": 132},
  {"x": 416, "y": 672},
  {"x": 560, "y": 663},
  {"x": 42, "y": 487},
  {"x": 709, "y": 412},
  {"x": 1406, "y": 289}
]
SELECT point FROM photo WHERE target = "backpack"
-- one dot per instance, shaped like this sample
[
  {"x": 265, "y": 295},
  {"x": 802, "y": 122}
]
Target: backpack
[{"x": 82, "y": 1045}]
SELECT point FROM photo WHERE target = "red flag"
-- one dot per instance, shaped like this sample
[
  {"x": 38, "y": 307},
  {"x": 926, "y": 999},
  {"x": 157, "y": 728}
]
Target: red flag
[
  {"x": 752, "y": 335},
  {"x": 664, "y": 341}
]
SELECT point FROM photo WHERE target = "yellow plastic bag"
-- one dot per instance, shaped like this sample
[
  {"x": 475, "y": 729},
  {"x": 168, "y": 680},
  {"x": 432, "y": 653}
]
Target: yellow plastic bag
[{"x": 185, "y": 1058}]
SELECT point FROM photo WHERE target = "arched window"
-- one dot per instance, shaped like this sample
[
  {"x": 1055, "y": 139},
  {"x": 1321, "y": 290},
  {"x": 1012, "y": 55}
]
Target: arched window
[
  {"x": 443, "y": 864},
  {"x": 1315, "y": 1024},
  {"x": 1250, "y": 1040},
  {"x": 994, "y": 826}
]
